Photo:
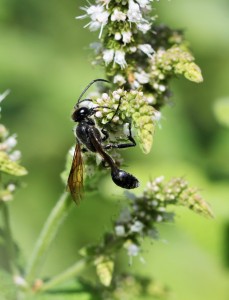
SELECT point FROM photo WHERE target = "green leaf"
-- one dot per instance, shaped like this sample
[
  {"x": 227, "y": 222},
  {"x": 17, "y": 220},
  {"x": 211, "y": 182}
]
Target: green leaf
[{"x": 10, "y": 167}]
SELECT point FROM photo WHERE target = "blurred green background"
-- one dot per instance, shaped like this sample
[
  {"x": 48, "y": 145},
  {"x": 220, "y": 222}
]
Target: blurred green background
[{"x": 45, "y": 62}]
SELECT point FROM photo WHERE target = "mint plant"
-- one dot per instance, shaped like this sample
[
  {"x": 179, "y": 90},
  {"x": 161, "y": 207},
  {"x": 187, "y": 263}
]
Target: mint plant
[{"x": 139, "y": 58}]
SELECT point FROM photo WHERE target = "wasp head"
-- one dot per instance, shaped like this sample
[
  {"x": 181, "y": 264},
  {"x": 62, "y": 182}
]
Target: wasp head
[{"x": 81, "y": 113}]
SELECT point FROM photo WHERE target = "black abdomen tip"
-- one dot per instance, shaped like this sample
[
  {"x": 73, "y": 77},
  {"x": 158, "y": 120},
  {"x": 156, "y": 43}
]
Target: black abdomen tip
[{"x": 124, "y": 179}]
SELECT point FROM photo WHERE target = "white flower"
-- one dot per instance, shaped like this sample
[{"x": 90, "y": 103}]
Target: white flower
[
  {"x": 134, "y": 13},
  {"x": 105, "y": 96},
  {"x": 94, "y": 11},
  {"x": 98, "y": 114},
  {"x": 133, "y": 250},
  {"x": 118, "y": 36},
  {"x": 133, "y": 49},
  {"x": 137, "y": 226},
  {"x": 120, "y": 230},
  {"x": 162, "y": 87},
  {"x": 15, "y": 155},
  {"x": 93, "y": 26},
  {"x": 108, "y": 56},
  {"x": 118, "y": 15},
  {"x": 120, "y": 58},
  {"x": 126, "y": 37},
  {"x": 98, "y": 15},
  {"x": 10, "y": 142},
  {"x": 135, "y": 84},
  {"x": 142, "y": 77},
  {"x": 119, "y": 79},
  {"x": 151, "y": 99},
  {"x": 143, "y": 3},
  {"x": 143, "y": 27},
  {"x": 147, "y": 49},
  {"x": 11, "y": 187}
]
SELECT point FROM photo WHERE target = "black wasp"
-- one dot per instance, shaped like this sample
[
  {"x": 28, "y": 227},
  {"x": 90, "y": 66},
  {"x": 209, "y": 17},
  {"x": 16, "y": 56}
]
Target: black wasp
[{"x": 88, "y": 135}]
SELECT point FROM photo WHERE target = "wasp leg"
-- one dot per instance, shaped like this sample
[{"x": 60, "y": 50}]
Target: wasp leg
[
  {"x": 105, "y": 133},
  {"x": 122, "y": 145}
]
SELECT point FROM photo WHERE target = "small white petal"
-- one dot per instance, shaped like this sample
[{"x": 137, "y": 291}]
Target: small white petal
[
  {"x": 147, "y": 49},
  {"x": 137, "y": 226},
  {"x": 118, "y": 36},
  {"x": 15, "y": 155},
  {"x": 134, "y": 13},
  {"x": 120, "y": 230},
  {"x": 133, "y": 250},
  {"x": 108, "y": 56},
  {"x": 98, "y": 114},
  {"x": 143, "y": 27},
  {"x": 94, "y": 10},
  {"x": 126, "y": 37},
  {"x": 11, "y": 142},
  {"x": 143, "y": 3},
  {"x": 142, "y": 77},
  {"x": 120, "y": 58},
  {"x": 133, "y": 49},
  {"x": 11, "y": 187},
  {"x": 119, "y": 79},
  {"x": 118, "y": 15}
]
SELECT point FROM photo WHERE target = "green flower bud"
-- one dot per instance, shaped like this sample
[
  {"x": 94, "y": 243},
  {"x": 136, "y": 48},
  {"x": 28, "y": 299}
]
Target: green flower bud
[{"x": 10, "y": 167}]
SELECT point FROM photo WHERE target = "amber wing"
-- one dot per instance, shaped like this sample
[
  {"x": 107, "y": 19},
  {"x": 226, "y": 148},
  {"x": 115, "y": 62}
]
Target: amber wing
[{"x": 75, "y": 178}]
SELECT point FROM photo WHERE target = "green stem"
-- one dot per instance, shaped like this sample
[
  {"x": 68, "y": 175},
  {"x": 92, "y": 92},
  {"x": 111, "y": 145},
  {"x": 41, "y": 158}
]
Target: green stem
[
  {"x": 64, "y": 276},
  {"x": 9, "y": 239},
  {"x": 47, "y": 235}
]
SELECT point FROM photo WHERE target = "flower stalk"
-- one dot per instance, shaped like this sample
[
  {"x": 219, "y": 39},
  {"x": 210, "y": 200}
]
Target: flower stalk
[
  {"x": 47, "y": 235},
  {"x": 64, "y": 276}
]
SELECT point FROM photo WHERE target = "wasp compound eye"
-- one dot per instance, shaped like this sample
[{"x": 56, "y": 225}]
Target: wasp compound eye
[{"x": 124, "y": 179}]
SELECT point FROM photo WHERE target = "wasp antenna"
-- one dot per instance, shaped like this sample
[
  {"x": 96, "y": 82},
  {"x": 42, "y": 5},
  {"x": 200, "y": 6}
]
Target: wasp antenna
[
  {"x": 88, "y": 100},
  {"x": 88, "y": 86}
]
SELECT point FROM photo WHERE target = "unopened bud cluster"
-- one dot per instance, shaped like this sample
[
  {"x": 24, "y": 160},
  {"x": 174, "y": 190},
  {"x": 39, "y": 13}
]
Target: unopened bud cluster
[
  {"x": 151, "y": 207},
  {"x": 124, "y": 107},
  {"x": 140, "y": 219}
]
